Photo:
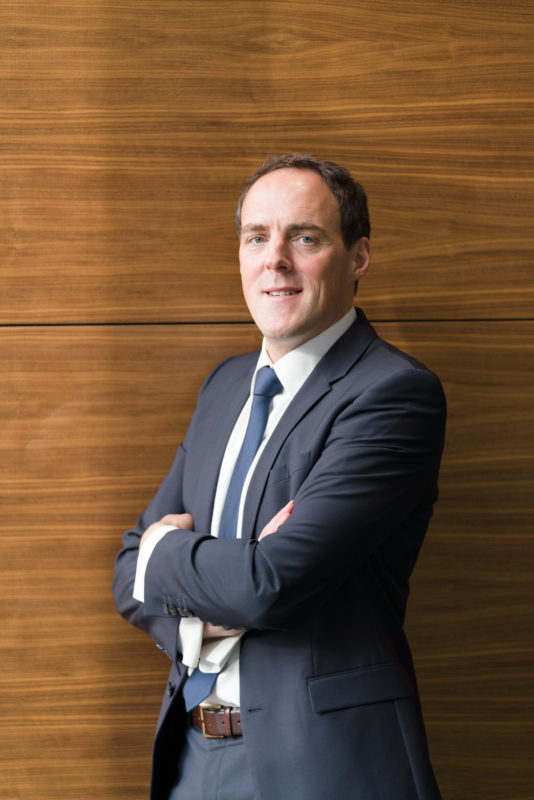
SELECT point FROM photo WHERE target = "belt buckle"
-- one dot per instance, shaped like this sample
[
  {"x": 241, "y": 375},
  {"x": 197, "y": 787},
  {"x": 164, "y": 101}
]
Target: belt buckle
[{"x": 203, "y": 722}]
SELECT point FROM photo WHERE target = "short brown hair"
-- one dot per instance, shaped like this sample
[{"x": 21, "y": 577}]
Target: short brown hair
[{"x": 350, "y": 195}]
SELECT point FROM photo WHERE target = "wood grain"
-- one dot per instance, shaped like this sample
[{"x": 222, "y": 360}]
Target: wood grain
[
  {"x": 91, "y": 420},
  {"x": 471, "y": 614},
  {"x": 127, "y": 130}
]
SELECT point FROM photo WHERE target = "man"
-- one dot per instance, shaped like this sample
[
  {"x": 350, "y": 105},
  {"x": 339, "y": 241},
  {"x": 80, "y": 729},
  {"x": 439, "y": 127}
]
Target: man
[{"x": 275, "y": 574}]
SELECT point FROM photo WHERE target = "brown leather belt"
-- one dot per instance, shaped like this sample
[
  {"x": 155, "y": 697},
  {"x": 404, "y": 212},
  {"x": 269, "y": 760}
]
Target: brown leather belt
[{"x": 217, "y": 722}]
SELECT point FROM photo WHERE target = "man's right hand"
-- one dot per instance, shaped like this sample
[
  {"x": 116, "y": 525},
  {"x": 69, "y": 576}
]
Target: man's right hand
[
  {"x": 218, "y": 632},
  {"x": 278, "y": 520}
]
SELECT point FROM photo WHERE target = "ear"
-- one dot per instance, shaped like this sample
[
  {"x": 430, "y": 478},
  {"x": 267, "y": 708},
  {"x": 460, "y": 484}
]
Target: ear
[{"x": 361, "y": 256}]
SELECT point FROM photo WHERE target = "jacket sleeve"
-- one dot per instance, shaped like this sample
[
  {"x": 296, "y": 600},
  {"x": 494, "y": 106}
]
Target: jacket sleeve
[
  {"x": 376, "y": 472},
  {"x": 168, "y": 500}
]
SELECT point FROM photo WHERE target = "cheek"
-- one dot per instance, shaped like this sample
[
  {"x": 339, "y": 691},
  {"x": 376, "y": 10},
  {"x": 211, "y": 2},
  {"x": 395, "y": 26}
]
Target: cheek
[
  {"x": 249, "y": 267},
  {"x": 325, "y": 285},
  {"x": 247, "y": 277}
]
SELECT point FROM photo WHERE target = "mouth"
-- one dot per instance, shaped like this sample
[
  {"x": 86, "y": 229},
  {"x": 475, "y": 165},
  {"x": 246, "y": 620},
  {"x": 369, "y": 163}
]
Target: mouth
[{"x": 282, "y": 292}]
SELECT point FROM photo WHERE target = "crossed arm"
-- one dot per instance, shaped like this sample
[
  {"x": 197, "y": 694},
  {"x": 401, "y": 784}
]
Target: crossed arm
[
  {"x": 186, "y": 522},
  {"x": 374, "y": 477}
]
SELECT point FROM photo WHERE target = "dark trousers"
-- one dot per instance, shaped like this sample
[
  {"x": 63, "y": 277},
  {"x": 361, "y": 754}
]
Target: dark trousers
[{"x": 212, "y": 769}]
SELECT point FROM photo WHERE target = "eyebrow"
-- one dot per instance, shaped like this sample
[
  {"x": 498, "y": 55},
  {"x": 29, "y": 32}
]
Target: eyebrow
[
  {"x": 252, "y": 227},
  {"x": 295, "y": 227},
  {"x": 305, "y": 226}
]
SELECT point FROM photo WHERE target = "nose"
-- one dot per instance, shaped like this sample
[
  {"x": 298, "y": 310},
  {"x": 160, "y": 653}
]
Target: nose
[{"x": 277, "y": 256}]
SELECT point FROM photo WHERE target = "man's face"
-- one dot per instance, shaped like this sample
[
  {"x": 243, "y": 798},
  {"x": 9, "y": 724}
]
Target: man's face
[{"x": 297, "y": 276}]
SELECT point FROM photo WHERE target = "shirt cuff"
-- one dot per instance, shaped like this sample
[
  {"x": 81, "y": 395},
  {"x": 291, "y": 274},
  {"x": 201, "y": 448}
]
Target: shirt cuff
[
  {"x": 190, "y": 641},
  {"x": 142, "y": 559},
  {"x": 215, "y": 653}
]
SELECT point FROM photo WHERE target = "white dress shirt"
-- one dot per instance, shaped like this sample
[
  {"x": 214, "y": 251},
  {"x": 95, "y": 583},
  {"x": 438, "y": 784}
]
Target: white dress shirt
[{"x": 222, "y": 655}]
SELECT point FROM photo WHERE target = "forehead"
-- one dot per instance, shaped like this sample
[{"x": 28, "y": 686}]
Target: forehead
[{"x": 290, "y": 194}]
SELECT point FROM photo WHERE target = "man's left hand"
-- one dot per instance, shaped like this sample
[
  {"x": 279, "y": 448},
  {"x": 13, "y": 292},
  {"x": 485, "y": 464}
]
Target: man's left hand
[{"x": 182, "y": 521}]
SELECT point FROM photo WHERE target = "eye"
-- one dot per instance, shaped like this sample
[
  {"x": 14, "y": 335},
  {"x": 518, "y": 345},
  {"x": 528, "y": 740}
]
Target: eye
[
  {"x": 305, "y": 239},
  {"x": 257, "y": 239}
]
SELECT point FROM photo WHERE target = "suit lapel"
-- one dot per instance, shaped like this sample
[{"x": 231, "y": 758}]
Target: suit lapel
[
  {"x": 225, "y": 416},
  {"x": 341, "y": 357}
]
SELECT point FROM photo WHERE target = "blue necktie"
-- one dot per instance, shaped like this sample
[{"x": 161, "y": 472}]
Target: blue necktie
[{"x": 200, "y": 684}]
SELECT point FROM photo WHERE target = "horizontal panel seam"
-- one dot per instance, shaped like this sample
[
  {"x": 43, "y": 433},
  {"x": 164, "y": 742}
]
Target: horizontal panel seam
[{"x": 223, "y": 323}]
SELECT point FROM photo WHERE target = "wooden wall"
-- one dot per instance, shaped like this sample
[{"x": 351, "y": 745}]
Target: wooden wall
[{"x": 127, "y": 130}]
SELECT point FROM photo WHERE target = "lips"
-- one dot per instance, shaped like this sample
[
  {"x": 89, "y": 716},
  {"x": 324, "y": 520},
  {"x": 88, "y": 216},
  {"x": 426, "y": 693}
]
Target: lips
[{"x": 285, "y": 292}]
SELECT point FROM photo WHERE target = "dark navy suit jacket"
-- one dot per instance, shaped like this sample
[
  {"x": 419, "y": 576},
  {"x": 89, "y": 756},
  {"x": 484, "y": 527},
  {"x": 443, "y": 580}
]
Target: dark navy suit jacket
[{"x": 329, "y": 702}]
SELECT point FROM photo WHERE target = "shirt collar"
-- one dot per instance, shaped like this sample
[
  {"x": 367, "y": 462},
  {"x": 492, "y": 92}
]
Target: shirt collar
[{"x": 297, "y": 365}]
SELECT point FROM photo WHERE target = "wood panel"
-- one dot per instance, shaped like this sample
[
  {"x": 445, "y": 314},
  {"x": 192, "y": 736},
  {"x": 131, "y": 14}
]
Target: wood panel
[
  {"x": 91, "y": 417},
  {"x": 127, "y": 130},
  {"x": 471, "y": 615}
]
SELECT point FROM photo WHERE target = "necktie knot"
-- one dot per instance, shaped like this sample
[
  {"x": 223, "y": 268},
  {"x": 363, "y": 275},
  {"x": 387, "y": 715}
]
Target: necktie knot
[{"x": 267, "y": 383}]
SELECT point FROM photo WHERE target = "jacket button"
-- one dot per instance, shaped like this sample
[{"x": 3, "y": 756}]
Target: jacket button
[
  {"x": 185, "y": 612},
  {"x": 165, "y": 608},
  {"x": 173, "y": 611}
]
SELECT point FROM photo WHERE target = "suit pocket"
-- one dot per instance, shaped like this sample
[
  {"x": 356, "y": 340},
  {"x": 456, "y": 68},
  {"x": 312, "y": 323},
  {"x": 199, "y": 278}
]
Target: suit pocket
[{"x": 357, "y": 687}]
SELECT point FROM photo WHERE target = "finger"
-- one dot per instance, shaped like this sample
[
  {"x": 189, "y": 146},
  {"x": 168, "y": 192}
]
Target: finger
[
  {"x": 288, "y": 509},
  {"x": 284, "y": 513},
  {"x": 278, "y": 520}
]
